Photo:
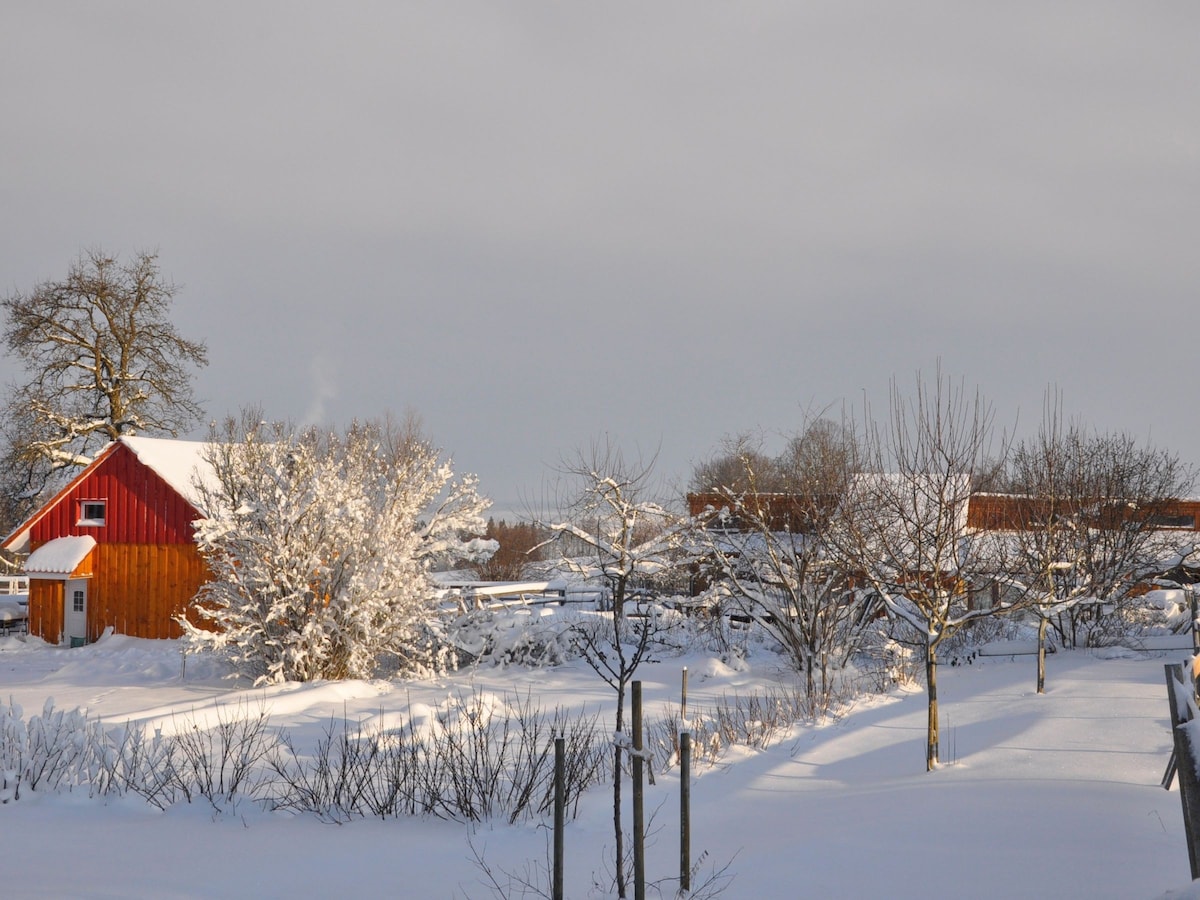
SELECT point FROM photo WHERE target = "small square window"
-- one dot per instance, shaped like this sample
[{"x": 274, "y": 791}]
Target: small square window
[
  {"x": 91, "y": 512},
  {"x": 77, "y": 601}
]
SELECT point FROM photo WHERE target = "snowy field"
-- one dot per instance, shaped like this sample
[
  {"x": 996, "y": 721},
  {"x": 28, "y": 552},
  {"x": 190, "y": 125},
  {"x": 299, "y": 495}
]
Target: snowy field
[{"x": 1039, "y": 796}]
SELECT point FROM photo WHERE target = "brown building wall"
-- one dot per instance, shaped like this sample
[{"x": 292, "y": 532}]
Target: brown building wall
[
  {"x": 136, "y": 589},
  {"x": 46, "y": 609},
  {"x": 1012, "y": 512},
  {"x": 140, "y": 588}
]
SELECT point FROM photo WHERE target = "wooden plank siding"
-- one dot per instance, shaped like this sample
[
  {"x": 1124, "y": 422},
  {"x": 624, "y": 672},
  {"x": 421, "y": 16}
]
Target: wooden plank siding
[
  {"x": 138, "y": 589},
  {"x": 1016, "y": 512},
  {"x": 141, "y": 508},
  {"x": 46, "y": 609},
  {"x": 146, "y": 567}
]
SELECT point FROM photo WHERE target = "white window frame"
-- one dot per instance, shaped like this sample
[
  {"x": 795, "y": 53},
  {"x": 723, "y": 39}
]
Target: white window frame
[{"x": 92, "y": 520}]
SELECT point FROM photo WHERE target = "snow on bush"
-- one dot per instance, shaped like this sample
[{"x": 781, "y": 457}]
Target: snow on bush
[
  {"x": 512, "y": 635},
  {"x": 479, "y": 757},
  {"x": 58, "y": 750},
  {"x": 320, "y": 546}
]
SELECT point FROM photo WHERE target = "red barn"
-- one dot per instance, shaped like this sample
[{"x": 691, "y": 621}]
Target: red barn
[{"x": 115, "y": 548}]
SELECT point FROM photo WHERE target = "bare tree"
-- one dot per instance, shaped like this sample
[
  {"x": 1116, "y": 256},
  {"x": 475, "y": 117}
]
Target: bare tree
[
  {"x": 1086, "y": 512},
  {"x": 519, "y": 547},
  {"x": 777, "y": 564},
  {"x": 101, "y": 359},
  {"x": 607, "y": 509},
  {"x": 726, "y": 470},
  {"x": 904, "y": 531}
]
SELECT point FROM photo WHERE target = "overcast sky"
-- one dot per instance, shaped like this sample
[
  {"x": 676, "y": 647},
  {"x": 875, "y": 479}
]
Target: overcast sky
[{"x": 538, "y": 223}]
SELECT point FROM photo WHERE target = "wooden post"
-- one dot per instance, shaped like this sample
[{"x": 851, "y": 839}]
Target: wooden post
[
  {"x": 560, "y": 807},
  {"x": 1195, "y": 634},
  {"x": 685, "y": 811},
  {"x": 1189, "y": 781},
  {"x": 639, "y": 823}
]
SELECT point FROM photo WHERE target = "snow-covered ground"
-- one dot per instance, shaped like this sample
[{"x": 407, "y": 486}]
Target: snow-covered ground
[{"x": 1040, "y": 796}]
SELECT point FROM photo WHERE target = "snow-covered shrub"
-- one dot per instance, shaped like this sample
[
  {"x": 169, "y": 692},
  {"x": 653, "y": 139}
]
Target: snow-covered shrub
[
  {"x": 14, "y": 743},
  {"x": 481, "y": 757},
  {"x": 146, "y": 766},
  {"x": 888, "y": 663},
  {"x": 512, "y": 635},
  {"x": 750, "y": 720},
  {"x": 320, "y": 546},
  {"x": 222, "y": 763},
  {"x": 1156, "y": 612},
  {"x": 1169, "y": 609},
  {"x": 472, "y": 763},
  {"x": 57, "y": 750}
]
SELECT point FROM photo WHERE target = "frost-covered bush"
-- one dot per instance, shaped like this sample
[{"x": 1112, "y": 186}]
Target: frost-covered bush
[
  {"x": 58, "y": 750},
  {"x": 755, "y": 720},
  {"x": 320, "y": 546},
  {"x": 148, "y": 767},
  {"x": 482, "y": 759},
  {"x": 222, "y": 763},
  {"x": 517, "y": 635}
]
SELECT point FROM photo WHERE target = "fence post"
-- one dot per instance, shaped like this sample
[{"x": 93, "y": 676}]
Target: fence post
[
  {"x": 1189, "y": 782},
  {"x": 685, "y": 811},
  {"x": 639, "y": 823},
  {"x": 1195, "y": 634},
  {"x": 560, "y": 807},
  {"x": 683, "y": 700}
]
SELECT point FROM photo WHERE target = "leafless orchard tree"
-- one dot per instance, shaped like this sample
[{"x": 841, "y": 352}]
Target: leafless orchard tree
[
  {"x": 101, "y": 359},
  {"x": 904, "y": 531},
  {"x": 770, "y": 551},
  {"x": 1090, "y": 512},
  {"x": 612, "y": 526}
]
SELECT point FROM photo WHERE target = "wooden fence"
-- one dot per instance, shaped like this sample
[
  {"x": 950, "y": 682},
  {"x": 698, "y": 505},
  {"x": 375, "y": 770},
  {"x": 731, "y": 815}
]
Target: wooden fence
[{"x": 1181, "y": 698}]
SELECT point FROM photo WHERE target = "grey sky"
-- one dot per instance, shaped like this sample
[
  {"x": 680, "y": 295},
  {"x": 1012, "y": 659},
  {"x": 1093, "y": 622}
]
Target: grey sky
[{"x": 538, "y": 223}]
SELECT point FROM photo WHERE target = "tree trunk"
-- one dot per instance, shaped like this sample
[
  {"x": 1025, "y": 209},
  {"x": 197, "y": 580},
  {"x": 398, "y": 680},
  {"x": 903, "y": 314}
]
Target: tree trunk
[
  {"x": 618, "y": 835},
  {"x": 931, "y": 746},
  {"x": 1041, "y": 655}
]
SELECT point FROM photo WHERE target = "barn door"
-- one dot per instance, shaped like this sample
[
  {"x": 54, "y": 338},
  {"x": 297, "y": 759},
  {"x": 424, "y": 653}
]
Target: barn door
[{"x": 75, "y": 612}]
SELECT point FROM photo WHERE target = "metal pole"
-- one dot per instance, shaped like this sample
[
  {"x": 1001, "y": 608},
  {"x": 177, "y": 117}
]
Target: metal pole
[
  {"x": 685, "y": 811},
  {"x": 639, "y": 824},
  {"x": 560, "y": 754}
]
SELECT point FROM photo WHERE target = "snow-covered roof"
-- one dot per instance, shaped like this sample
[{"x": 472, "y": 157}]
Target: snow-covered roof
[
  {"x": 59, "y": 557},
  {"x": 918, "y": 496},
  {"x": 181, "y": 464}
]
